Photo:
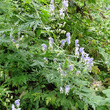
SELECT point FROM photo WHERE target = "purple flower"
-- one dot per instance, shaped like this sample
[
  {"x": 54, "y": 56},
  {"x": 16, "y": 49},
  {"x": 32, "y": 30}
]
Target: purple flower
[
  {"x": 67, "y": 34},
  {"x": 86, "y": 58},
  {"x": 67, "y": 88},
  {"x": 62, "y": 14},
  {"x": 11, "y": 36},
  {"x": 59, "y": 68},
  {"x": 13, "y": 107},
  {"x": 61, "y": 90},
  {"x": 63, "y": 42},
  {"x": 52, "y": 1},
  {"x": 76, "y": 43},
  {"x": 78, "y": 72},
  {"x": 44, "y": 47},
  {"x": 109, "y": 8},
  {"x": 61, "y": 71},
  {"x": 17, "y": 102},
  {"x": 77, "y": 52},
  {"x": 52, "y": 8},
  {"x": 105, "y": 8},
  {"x": 65, "y": 4},
  {"x": 65, "y": 73},
  {"x": 51, "y": 40},
  {"x": 68, "y": 38},
  {"x": 82, "y": 58},
  {"x": 90, "y": 62},
  {"x": 46, "y": 61},
  {"x": 51, "y": 43},
  {"x": 81, "y": 50},
  {"x": 17, "y": 46},
  {"x": 70, "y": 67},
  {"x": 55, "y": 59},
  {"x": 3, "y": 35}
]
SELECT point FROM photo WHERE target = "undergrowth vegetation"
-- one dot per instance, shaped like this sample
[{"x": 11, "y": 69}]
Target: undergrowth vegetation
[{"x": 54, "y": 55}]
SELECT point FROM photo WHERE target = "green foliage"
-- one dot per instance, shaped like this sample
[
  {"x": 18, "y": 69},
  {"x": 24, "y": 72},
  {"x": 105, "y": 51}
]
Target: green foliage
[{"x": 26, "y": 74}]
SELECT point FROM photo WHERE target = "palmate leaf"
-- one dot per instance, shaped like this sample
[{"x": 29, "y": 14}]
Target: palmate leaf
[
  {"x": 38, "y": 63},
  {"x": 106, "y": 56},
  {"x": 17, "y": 80},
  {"x": 92, "y": 1},
  {"x": 107, "y": 92}
]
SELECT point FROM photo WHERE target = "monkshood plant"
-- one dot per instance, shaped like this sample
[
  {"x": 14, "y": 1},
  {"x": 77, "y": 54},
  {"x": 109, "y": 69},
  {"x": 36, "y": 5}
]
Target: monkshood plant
[
  {"x": 71, "y": 76},
  {"x": 74, "y": 87}
]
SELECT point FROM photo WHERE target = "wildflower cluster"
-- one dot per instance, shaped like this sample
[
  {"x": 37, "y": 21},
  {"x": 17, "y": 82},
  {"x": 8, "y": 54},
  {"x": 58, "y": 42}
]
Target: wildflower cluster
[
  {"x": 52, "y": 8},
  {"x": 17, "y": 104},
  {"x": 67, "y": 89},
  {"x": 13, "y": 40},
  {"x": 51, "y": 41},
  {"x": 68, "y": 40},
  {"x": 65, "y": 6},
  {"x": 84, "y": 56}
]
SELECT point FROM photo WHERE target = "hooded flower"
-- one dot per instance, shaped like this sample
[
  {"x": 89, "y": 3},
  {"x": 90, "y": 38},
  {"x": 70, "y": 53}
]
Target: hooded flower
[
  {"x": 12, "y": 107},
  {"x": 61, "y": 90},
  {"x": 52, "y": 1},
  {"x": 51, "y": 43},
  {"x": 65, "y": 4},
  {"x": 76, "y": 43},
  {"x": 63, "y": 43},
  {"x": 52, "y": 8},
  {"x": 62, "y": 14},
  {"x": 67, "y": 88},
  {"x": 17, "y": 102},
  {"x": 44, "y": 47},
  {"x": 68, "y": 39},
  {"x": 70, "y": 67},
  {"x": 77, "y": 52}
]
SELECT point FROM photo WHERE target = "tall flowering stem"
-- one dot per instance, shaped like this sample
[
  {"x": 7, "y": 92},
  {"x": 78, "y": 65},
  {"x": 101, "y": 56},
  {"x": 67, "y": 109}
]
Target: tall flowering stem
[
  {"x": 68, "y": 39},
  {"x": 52, "y": 8}
]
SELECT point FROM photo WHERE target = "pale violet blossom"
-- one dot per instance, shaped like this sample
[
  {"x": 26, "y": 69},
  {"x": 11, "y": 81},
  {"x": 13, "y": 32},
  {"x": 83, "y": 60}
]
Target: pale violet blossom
[
  {"x": 12, "y": 107},
  {"x": 77, "y": 52},
  {"x": 67, "y": 88},
  {"x": 44, "y": 47},
  {"x": 45, "y": 59},
  {"x": 63, "y": 43},
  {"x": 59, "y": 68},
  {"x": 51, "y": 43},
  {"x": 52, "y": 8},
  {"x": 65, "y": 4},
  {"x": 81, "y": 50},
  {"x": 76, "y": 43},
  {"x": 17, "y": 46},
  {"x": 68, "y": 39},
  {"x": 13, "y": 40},
  {"x": 67, "y": 34},
  {"x": 17, "y": 102},
  {"x": 62, "y": 14},
  {"x": 52, "y": 1},
  {"x": 78, "y": 72},
  {"x": 61, "y": 89},
  {"x": 70, "y": 67},
  {"x": 55, "y": 60}
]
